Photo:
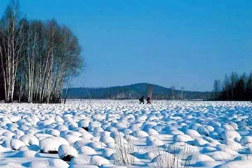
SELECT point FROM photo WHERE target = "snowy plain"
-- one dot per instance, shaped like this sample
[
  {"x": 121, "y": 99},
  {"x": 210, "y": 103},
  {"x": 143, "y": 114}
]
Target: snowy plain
[{"x": 123, "y": 133}]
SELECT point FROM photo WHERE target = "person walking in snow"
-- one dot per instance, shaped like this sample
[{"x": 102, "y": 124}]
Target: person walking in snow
[
  {"x": 148, "y": 100},
  {"x": 141, "y": 100}
]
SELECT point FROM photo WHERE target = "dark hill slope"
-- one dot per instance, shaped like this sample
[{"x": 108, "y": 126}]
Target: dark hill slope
[{"x": 132, "y": 92}]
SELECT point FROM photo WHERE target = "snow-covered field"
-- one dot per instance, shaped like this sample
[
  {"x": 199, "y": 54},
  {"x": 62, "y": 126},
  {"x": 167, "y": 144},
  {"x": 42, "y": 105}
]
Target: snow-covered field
[{"x": 125, "y": 134}]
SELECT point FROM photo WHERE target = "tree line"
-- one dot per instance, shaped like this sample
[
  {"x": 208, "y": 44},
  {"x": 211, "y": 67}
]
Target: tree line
[
  {"x": 135, "y": 91},
  {"x": 234, "y": 87},
  {"x": 36, "y": 58}
]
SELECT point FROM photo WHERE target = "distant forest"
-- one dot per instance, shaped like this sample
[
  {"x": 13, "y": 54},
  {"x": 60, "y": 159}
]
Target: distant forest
[
  {"x": 36, "y": 58},
  {"x": 233, "y": 87},
  {"x": 135, "y": 91}
]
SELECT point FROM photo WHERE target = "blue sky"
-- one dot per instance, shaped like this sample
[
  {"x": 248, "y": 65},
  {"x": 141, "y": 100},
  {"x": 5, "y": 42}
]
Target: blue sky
[{"x": 183, "y": 43}]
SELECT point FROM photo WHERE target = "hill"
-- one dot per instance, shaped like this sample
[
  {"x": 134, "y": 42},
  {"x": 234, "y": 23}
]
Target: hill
[{"x": 132, "y": 92}]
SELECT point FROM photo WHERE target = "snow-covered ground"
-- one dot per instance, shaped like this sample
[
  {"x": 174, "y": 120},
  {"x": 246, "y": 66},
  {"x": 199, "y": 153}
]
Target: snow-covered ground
[{"x": 116, "y": 134}]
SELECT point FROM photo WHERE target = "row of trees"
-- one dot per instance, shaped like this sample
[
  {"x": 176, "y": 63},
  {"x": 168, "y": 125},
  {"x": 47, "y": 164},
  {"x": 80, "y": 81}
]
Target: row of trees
[
  {"x": 234, "y": 87},
  {"x": 37, "y": 58},
  {"x": 121, "y": 93},
  {"x": 177, "y": 95}
]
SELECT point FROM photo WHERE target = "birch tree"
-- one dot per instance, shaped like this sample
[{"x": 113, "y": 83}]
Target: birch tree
[
  {"x": 149, "y": 91},
  {"x": 11, "y": 47},
  {"x": 36, "y": 57},
  {"x": 173, "y": 92}
]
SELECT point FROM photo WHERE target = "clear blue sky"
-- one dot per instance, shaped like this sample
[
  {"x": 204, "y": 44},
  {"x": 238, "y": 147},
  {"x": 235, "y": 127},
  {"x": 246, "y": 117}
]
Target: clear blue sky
[{"x": 183, "y": 43}]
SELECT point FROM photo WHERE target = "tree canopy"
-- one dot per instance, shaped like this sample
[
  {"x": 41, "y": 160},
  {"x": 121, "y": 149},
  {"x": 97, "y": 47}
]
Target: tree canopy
[{"x": 36, "y": 57}]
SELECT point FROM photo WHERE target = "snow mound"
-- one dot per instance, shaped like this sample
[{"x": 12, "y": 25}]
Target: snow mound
[
  {"x": 96, "y": 145},
  {"x": 98, "y": 161},
  {"x": 86, "y": 135},
  {"x": 107, "y": 152},
  {"x": 72, "y": 139},
  {"x": 165, "y": 160},
  {"x": 80, "y": 143},
  {"x": 67, "y": 152},
  {"x": 152, "y": 132},
  {"x": 87, "y": 150},
  {"x": 16, "y": 144},
  {"x": 2, "y": 149},
  {"x": 27, "y": 153},
  {"x": 6, "y": 143},
  {"x": 233, "y": 164},
  {"x": 150, "y": 155},
  {"x": 200, "y": 142},
  {"x": 53, "y": 132},
  {"x": 153, "y": 141},
  {"x": 12, "y": 165},
  {"x": 232, "y": 144},
  {"x": 29, "y": 140},
  {"x": 78, "y": 161},
  {"x": 55, "y": 163},
  {"x": 192, "y": 133},
  {"x": 182, "y": 138},
  {"x": 140, "y": 133},
  {"x": 221, "y": 156},
  {"x": 116, "y": 134},
  {"x": 83, "y": 123},
  {"x": 61, "y": 128},
  {"x": 183, "y": 150},
  {"x": 230, "y": 134},
  {"x": 200, "y": 158},
  {"x": 207, "y": 164},
  {"x": 246, "y": 140},
  {"x": 227, "y": 149},
  {"x": 51, "y": 144},
  {"x": 41, "y": 136},
  {"x": 83, "y": 166},
  {"x": 93, "y": 125},
  {"x": 124, "y": 158},
  {"x": 107, "y": 139},
  {"x": 203, "y": 130}
]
